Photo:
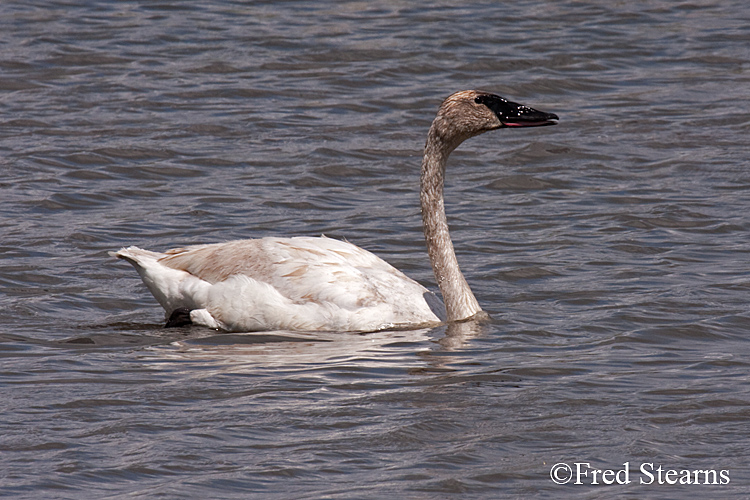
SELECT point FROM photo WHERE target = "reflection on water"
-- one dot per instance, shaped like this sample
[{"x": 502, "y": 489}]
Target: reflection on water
[
  {"x": 270, "y": 350},
  {"x": 611, "y": 250},
  {"x": 280, "y": 348}
]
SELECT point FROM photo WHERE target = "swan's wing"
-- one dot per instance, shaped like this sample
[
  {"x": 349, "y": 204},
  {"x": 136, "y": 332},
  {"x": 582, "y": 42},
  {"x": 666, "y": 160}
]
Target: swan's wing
[{"x": 301, "y": 269}]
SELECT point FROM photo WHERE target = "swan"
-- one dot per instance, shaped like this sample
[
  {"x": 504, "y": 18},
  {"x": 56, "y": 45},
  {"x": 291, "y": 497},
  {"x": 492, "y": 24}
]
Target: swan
[{"x": 323, "y": 284}]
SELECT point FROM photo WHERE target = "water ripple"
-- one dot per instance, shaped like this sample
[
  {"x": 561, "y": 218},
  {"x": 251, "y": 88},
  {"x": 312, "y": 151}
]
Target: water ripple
[{"x": 611, "y": 250}]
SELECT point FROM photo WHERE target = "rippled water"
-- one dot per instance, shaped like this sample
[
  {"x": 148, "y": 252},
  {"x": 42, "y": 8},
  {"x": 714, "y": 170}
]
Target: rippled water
[{"x": 611, "y": 250}]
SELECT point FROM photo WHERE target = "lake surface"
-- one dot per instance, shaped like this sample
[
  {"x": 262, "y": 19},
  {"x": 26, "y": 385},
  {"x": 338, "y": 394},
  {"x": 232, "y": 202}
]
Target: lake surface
[{"x": 611, "y": 251}]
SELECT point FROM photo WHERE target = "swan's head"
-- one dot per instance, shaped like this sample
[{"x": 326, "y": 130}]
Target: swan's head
[{"x": 473, "y": 112}]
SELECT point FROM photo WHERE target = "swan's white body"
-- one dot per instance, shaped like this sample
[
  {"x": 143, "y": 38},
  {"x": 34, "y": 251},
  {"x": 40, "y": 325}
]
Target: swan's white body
[
  {"x": 321, "y": 284},
  {"x": 303, "y": 284}
]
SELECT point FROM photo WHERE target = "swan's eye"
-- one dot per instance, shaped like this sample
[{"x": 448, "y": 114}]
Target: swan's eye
[{"x": 478, "y": 99}]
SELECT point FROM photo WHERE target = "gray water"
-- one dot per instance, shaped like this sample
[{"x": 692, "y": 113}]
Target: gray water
[{"x": 610, "y": 250}]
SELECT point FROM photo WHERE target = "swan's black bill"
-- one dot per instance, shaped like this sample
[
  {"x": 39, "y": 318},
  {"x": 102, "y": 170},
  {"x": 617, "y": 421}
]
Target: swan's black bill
[{"x": 512, "y": 114}]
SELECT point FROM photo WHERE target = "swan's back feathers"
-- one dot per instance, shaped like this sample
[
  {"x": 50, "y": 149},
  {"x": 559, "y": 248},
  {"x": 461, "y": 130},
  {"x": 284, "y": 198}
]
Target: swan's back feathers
[
  {"x": 301, "y": 268},
  {"x": 286, "y": 283}
]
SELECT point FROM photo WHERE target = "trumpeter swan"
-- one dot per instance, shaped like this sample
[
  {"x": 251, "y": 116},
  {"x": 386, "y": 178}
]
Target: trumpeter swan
[{"x": 322, "y": 284}]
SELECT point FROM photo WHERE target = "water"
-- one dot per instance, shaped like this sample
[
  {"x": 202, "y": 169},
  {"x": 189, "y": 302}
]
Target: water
[{"x": 611, "y": 250}]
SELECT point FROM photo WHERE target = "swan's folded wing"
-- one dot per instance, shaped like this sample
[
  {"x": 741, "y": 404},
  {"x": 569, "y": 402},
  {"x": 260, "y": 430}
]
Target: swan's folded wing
[{"x": 305, "y": 269}]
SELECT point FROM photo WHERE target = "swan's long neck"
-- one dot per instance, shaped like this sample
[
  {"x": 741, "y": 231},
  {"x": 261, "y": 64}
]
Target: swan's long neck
[{"x": 460, "y": 302}]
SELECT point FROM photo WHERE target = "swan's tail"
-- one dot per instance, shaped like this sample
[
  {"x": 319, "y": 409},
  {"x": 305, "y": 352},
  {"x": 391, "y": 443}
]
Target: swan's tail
[
  {"x": 166, "y": 284},
  {"x": 137, "y": 256},
  {"x": 177, "y": 291}
]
